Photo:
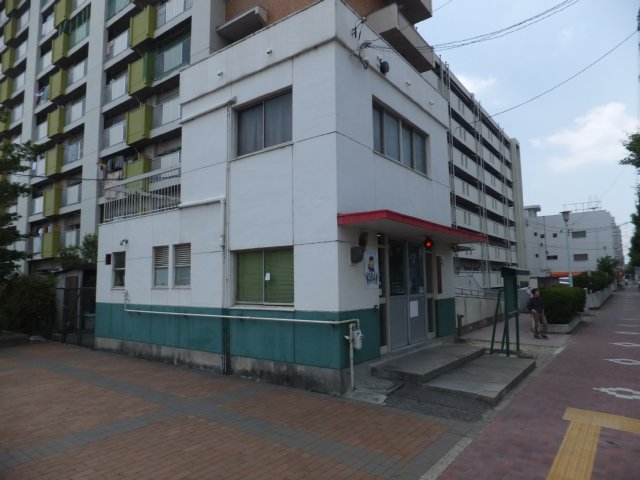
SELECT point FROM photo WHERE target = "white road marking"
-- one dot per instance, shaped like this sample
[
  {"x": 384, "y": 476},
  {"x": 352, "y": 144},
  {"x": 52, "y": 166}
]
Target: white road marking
[
  {"x": 623, "y": 361},
  {"x": 620, "y": 392}
]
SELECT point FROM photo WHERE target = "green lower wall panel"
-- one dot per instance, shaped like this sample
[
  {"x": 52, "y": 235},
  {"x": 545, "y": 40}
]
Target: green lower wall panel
[
  {"x": 445, "y": 317},
  {"x": 305, "y": 344}
]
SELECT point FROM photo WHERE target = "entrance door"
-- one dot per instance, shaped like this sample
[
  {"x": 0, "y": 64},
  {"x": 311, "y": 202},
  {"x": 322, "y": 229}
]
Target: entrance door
[{"x": 407, "y": 294}]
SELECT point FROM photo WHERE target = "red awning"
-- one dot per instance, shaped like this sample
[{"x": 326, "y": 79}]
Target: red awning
[{"x": 394, "y": 223}]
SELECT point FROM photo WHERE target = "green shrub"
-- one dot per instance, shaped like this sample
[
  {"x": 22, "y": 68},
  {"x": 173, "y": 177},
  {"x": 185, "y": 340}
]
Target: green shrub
[
  {"x": 27, "y": 304},
  {"x": 562, "y": 303},
  {"x": 593, "y": 281}
]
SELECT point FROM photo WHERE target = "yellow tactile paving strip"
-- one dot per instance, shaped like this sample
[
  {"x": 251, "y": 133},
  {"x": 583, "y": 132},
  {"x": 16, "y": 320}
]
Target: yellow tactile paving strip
[{"x": 575, "y": 458}]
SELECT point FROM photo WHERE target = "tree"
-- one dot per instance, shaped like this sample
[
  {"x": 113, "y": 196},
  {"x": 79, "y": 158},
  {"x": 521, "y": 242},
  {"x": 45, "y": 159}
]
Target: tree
[
  {"x": 632, "y": 144},
  {"x": 87, "y": 253},
  {"x": 607, "y": 264},
  {"x": 13, "y": 157}
]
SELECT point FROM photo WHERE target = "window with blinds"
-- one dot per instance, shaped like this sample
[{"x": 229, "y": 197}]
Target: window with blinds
[
  {"x": 182, "y": 265},
  {"x": 265, "y": 276},
  {"x": 161, "y": 266}
]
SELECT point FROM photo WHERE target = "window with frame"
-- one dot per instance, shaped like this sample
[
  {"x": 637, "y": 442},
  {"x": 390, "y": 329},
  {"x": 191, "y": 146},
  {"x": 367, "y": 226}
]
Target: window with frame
[
  {"x": 578, "y": 234},
  {"x": 119, "y": 265},
  {"x": 552, "y": 257},
  {"x": 265, "y": 124},
  {"x": 265, "y": 276},
  {"x": 182, "y": 265},
  {"x": 161, "y": 266},
  {"x": 396, "y": 138},
  {"x": 580, "y": 257}
]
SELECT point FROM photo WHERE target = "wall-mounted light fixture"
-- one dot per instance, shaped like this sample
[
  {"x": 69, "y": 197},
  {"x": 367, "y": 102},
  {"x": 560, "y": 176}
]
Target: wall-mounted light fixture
[
  {"x": 357, "y": 253},
  {"x": 383, "y": 66},
  {"x": 123, "y": 242}
]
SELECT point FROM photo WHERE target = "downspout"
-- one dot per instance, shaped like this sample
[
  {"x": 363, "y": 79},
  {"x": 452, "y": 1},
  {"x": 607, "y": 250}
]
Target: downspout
[{"x": 224, "y": 240}]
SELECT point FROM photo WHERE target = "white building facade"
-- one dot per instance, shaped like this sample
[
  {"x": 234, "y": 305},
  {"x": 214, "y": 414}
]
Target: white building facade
[
  {"x": 310, "y": 178},
  {"x": 555, "y": 248}
]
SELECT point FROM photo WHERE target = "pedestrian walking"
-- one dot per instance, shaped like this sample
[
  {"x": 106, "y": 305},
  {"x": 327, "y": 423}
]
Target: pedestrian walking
[{"x": 536, "y": 307}]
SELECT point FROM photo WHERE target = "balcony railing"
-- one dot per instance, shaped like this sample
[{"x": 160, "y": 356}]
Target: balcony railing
[
  {"x": 40, "y": 167},
  {"x": 115, "y": 6},
  {"x": 172, "y": 59},
  {"x": 77, "y": 72},
  {"x": 47, "y": 26},
  {"x": 21, "y": 52},
  {"x": 71, "y": 195},
  {"x": 72, "y": 153},
  {"x": 171, "y": 10},
  {"x": 37, "y": 205},
  {"x": 74, "y": 112},
  {"x": 41, "y": 131},
  {"x": 117, "y": 88},
  {"x": 114, "y": 134},
  {"x": 36, "y": 245},
  {"x": 118, "y": 45},
  {"x": 45, "y": 60},
  {"x": 166, "y": 112},
  {"x": 166, "y": 162},
  {"x": 23, "y": 21},
  {"x": 144, "y": 194},
  {"x": 16, "y": 113},
  {"x": 70, "y": 238},
  {"x": 19, "y": 81}
]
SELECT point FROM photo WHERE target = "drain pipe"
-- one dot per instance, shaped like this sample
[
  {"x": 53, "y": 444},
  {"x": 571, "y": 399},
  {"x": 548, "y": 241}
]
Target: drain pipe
[
  {"x": 355, "y": 343},
  {"x": 354, "y": 338}
]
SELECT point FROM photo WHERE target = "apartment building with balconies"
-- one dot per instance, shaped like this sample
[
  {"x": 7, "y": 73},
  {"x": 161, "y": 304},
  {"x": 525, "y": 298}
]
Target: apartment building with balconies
[
  {"x": 240, "y": 160},
  {"x": 95, "y": 85}
]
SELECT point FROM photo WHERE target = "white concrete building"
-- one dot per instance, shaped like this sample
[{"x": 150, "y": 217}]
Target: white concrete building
[
  {"x": 296, "y": 156},
  {"x": 239, "y": 158},
  {"x": 591, "y": 233}
]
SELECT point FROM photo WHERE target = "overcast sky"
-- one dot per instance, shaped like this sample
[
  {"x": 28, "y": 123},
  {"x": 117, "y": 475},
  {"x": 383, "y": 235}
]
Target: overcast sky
[{"x": 571, "y": 137}]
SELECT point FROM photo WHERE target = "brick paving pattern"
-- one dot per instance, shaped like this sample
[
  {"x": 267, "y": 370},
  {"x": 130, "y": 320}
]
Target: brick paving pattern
[
  {"x": 72, "y": 413},
  {"x": 523, "y": 440}
]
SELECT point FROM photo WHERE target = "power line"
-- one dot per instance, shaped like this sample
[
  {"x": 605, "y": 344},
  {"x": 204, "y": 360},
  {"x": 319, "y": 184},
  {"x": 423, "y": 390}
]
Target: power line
[
  {"x": 566, "y": 80},
  {"x": 507, "y": 30},
  {"x": 443, "y": 5}
]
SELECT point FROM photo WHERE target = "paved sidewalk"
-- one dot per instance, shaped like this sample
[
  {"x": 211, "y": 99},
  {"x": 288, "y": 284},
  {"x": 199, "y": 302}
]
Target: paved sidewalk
[
  {"x": 579, "y": 418},
  {"x": 72, "y": 413}
]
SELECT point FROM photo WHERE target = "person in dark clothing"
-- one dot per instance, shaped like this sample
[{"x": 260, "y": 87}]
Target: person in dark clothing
[{"x": 536, "y": 307}]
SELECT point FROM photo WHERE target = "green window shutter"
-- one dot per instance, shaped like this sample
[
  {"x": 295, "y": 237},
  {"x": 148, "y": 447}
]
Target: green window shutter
[
  {"x": 10, "y": 30},
  {"x": 139, "y": 124},
  {"x": 61, "y": 12},
  {"x": 58, "y": 84},
  {"x": 279, "y": 265},
  {"x": 142, "y": 27},
  {"x": 59, "y": 47},
  {"x": 54, "y": 159},
  {"x": 250, "y": 277},
  {"x": 6, "y": 89},
  {"x": 140, "y": 73},
  {"x": 8, "y": 59},
  {"x": 10, "y": 6}
]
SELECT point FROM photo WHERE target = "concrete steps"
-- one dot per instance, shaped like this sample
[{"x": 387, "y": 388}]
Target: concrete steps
[{"x": 456, "y": 369}]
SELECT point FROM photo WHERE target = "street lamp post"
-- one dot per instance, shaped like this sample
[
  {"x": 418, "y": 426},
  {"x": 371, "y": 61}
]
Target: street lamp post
[{"x": 565, "y": 217}]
